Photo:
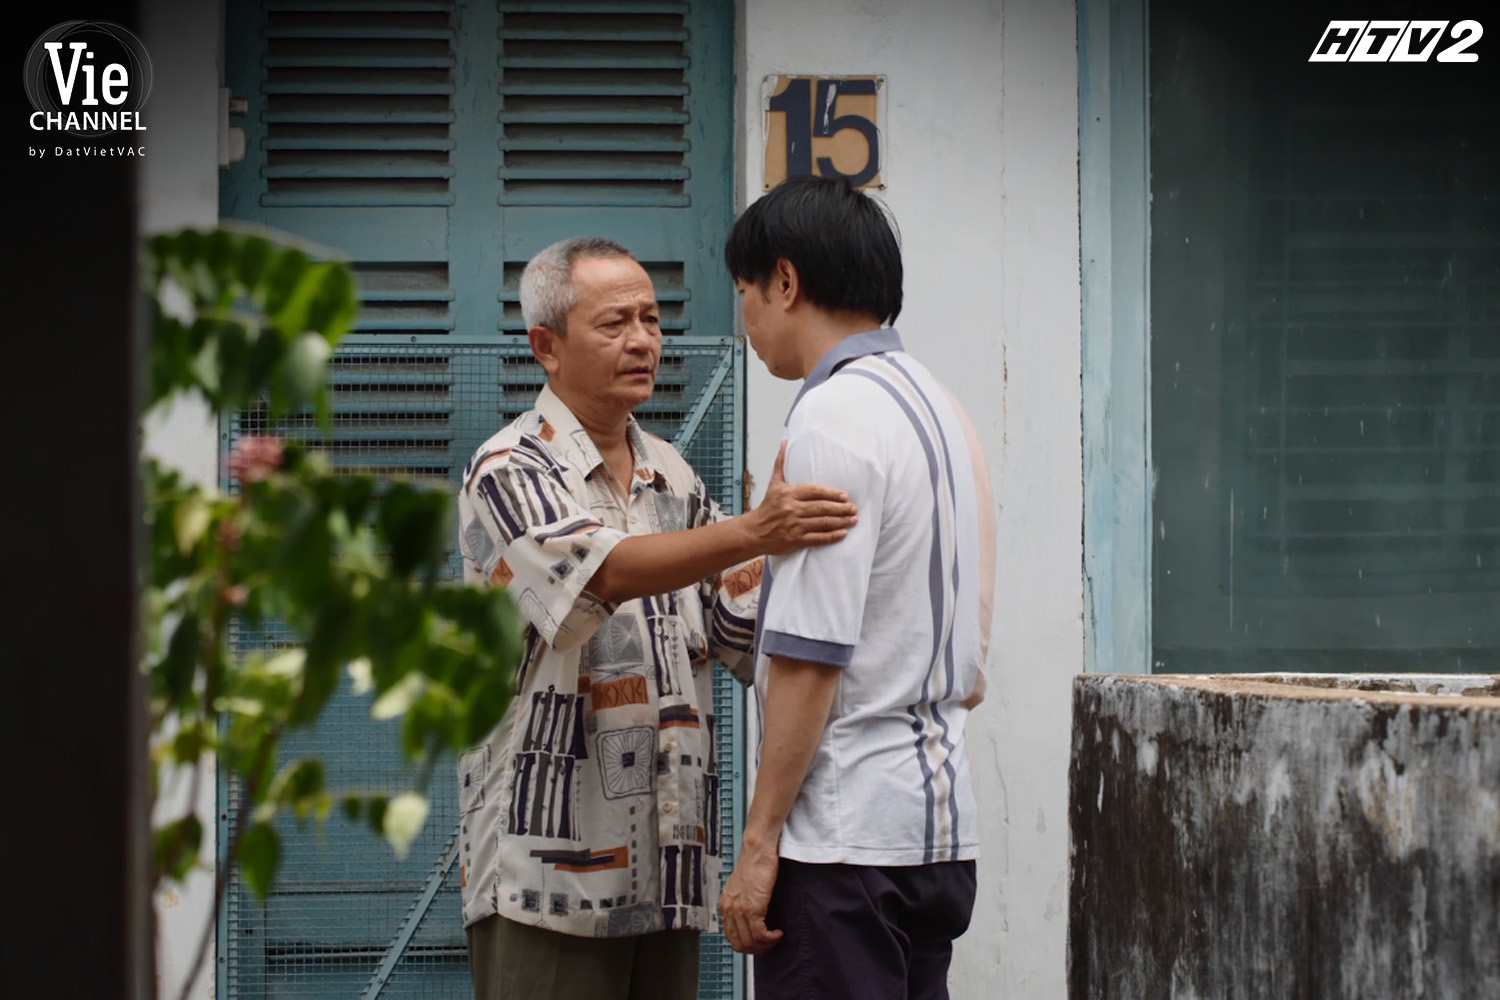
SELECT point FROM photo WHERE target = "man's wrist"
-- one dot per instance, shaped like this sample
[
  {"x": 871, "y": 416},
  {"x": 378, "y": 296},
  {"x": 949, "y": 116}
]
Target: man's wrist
[
  {"x": 759, "y": 842},
  {"x": 748, "y": 526}
]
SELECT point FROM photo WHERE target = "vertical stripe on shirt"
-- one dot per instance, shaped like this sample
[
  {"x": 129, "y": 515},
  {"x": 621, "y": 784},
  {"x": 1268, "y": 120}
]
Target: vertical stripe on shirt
[
  {"x": 938, "y": 604},
  {"x": 948, "y": 642}
]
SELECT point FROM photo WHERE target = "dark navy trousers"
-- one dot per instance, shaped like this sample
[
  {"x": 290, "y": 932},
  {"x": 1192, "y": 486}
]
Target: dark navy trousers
[{"x": 860, "y": 932}]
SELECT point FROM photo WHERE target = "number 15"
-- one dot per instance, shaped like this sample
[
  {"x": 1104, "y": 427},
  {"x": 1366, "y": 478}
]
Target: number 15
[{"x": 803, "y": 123}]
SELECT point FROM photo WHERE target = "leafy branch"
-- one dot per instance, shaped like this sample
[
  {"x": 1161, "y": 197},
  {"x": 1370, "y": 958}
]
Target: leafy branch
[{"x": 348, "y": 564}]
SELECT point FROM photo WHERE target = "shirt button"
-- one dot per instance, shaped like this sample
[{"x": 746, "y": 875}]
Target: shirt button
[
  {"x": 668, "y": 808},
  {"x": 669, "y": 746}
]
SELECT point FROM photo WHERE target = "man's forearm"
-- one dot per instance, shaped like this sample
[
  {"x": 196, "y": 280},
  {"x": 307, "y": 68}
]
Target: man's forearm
[
  {"x": 799, "y": 696},
  {"x": 642, "y": 565}
]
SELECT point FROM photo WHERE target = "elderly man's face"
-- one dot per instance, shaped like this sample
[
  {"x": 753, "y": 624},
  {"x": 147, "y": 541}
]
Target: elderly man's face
[{"x": 613, "y": 343}]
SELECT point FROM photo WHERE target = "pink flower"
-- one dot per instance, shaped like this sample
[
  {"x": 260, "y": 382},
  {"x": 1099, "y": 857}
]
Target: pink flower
[
  {"x": 255, "y": 459},
  {"x": 235, "y": 595}
]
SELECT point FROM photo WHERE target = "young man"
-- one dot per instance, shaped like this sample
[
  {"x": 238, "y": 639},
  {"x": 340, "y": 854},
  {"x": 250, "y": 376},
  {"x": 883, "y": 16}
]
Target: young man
[
  {"x": 857, "y": 866},
  {"x": 590, "y": 817}
]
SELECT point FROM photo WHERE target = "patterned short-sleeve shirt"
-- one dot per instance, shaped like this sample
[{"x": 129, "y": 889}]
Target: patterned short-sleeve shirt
[{"x": 593, "y": 808}]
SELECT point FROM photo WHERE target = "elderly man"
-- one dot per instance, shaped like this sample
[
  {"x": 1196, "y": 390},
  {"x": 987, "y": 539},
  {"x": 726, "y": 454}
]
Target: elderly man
[
  {"x": 857, "y": 870},
  {"x": 590, "y": 817}
]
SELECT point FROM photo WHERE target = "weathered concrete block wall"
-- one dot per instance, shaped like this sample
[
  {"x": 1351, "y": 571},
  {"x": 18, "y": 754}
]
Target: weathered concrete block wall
[{"x": 1285, "y": 836}]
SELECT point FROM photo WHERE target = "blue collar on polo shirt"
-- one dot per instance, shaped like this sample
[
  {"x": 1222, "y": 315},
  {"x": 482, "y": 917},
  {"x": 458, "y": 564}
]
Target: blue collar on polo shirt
[{"x": 856, "y": 345}]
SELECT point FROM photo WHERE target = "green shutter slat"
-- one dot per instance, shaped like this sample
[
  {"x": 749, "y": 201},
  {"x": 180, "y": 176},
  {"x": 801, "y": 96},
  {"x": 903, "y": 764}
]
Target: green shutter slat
[
  {"x": 328, "y": 165},
  {"x": 362, "y": 61},
  {"x": 593, "y": 140},
  {"x": 599, "y": 195},
  {"x": 373, "y": 143},
  {"x": 313, "y": 116},
  {"x": 414, "y": 323},
  {"x": 589, "y": 116},
  {"x": 595, "y": 62},
  {"x": 611, "y": 88},
  {"x": 359, "y": 6},
  {"x": 593, "y": 7},
  {"x": 341, "y": 32},
  {"x": 351, "y": 198},
  {"x": 371, "y": 87},
  {"x": 367, "y": 294},
  {"x": 597, "y": 171},
  {"x": 360, "y": 170},
  {"x": 435, "y": 463},
  {"x": 387, "y": 402},
  {"x": 364, "y": 436},
  {"x": 573, "y": 35}
]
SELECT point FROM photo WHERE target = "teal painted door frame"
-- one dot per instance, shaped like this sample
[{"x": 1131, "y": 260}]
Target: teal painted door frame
[{"x": 1114, "y": 223}]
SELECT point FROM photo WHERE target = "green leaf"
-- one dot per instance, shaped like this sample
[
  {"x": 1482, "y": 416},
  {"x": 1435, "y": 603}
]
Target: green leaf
[
  {"x": 177, "y": 846},
  {"x": 352, "y": 805},
  {"x": 258, "y": 851},
  {"x": 416, "y": 523},
  {"x": 175, "y": 673},
  {"x": 331, "y": 309},
  {"x": 484, "y": 707},
  {"x": 192, "y": 741},
  {"x": 298, "y": 786},
  {"x": 254, "y": 254},
  {"x": 287, "y": 663},
  {"x": 279, "y": 284},
  {"x": 403, "y": 820},
  {"x": 399, "y": 698},
  {"x": 432, "y": 722},
  {"x": 375, "y": 812},
  {"x": 360, "y": 674},
  {"x": 302, "y": 371},
  {"x": 190, "y": 520}
]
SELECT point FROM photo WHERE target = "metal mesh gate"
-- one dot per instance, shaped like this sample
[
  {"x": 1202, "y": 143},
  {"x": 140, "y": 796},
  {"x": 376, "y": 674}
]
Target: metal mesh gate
[{"x": 345, "y": 917}]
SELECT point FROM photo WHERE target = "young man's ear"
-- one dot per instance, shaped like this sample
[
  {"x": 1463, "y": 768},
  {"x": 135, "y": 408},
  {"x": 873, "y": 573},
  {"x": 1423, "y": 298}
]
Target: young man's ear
[
  {"x": 544, "y": 346},
  {"x": 785, "y": 283}
]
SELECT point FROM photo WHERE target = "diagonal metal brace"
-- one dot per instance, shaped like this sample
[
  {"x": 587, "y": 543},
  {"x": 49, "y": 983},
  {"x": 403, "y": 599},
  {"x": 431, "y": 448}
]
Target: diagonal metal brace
[
  {"x": 411, "y": 921},
  {"x": 705, "y": 400}
]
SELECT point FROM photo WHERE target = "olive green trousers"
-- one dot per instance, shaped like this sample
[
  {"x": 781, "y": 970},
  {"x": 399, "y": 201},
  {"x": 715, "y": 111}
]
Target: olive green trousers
[{"x": 515, "y": 961}]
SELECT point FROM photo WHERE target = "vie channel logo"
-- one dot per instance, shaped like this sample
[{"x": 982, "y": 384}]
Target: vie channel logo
[{"x": 87, "y": 79}]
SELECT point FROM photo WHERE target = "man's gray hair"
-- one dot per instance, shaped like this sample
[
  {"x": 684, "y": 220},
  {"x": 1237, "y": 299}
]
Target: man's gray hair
[{"x": 547, "y": 292}]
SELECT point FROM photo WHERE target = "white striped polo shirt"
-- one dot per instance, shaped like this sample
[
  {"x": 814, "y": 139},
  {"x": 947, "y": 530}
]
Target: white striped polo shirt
[{"x": 902, "y": 605}]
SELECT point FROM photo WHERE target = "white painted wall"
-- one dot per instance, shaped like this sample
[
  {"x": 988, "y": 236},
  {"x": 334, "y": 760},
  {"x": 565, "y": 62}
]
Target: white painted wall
[
  {"x": 178, "y": 186},
  {"x": 981, "y": 173}
]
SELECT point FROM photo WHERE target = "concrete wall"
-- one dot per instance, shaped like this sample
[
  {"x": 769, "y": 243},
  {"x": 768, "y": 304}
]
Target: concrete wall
[
  {"x": 981, "y": 146},
  {"x": 1246, "y": 837},
  {"x": 178, "y": 186}
]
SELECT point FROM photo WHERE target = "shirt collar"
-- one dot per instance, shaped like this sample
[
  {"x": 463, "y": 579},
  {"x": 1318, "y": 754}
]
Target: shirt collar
[
  {"x": 853, "y": 346},
  {"x": 570, "y": 434}
]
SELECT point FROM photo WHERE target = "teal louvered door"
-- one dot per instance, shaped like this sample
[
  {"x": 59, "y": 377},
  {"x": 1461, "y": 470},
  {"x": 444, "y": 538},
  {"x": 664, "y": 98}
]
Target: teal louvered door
[{"x": 438, "y": 145}]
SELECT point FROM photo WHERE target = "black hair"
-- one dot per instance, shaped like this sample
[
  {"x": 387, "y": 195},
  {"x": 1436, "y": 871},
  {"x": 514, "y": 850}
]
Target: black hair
[{"x": 842, "y": 243}]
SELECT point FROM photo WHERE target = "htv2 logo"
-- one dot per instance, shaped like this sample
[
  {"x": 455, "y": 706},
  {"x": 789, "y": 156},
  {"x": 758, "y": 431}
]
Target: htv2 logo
[{"x": 1397, "y": 41}]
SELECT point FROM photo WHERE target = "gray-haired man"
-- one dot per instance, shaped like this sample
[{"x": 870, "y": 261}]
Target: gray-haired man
[{"x": 590, "y": 830}]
